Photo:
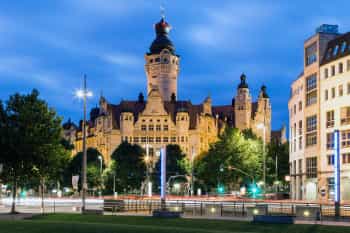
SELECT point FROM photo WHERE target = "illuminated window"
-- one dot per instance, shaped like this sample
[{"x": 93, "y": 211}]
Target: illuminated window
[
  {"x": 345, "y": 138},
  {"x": 311, "y": 98},
  {"x": 311, "y": 82},
  {"x": 345, "y": 116},
  {"x": 330, "y": 141},
  {"x": 311, "y": 167},
  {"x": 311, "y": 54},
  {"x": 311, "y": 127},
  {"x": 330, "y": 119},
  {"x": 346, "y": 158}
]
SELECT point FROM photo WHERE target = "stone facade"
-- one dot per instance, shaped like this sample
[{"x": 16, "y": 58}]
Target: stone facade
[{"x": 162, "y": 119}]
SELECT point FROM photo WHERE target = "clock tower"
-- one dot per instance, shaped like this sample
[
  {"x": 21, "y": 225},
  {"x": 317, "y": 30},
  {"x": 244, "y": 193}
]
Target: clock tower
[{"x": 162, "y": 64}]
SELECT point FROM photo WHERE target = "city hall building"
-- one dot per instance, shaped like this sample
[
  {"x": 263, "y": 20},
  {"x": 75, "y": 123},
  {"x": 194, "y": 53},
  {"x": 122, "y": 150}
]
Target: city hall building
[
  {"x": 319, "y": 105},
  {"x": 162, "y": 118}
]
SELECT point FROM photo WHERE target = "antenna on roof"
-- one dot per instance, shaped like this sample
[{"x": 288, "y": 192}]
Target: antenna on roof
[{"x": 162, "y": 11}]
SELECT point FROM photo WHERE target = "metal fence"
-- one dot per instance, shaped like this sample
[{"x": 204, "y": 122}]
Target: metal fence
[
  {"x": 222, "y": 208},
  {"x": 219, "y": 209}
]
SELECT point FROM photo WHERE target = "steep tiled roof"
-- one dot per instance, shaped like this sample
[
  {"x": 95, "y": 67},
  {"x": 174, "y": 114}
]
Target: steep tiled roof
[
  {"x": 225, "y": 111},
  {"x": 136, "y": 107}
]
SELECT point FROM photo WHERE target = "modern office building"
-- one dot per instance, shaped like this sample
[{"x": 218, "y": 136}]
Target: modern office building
[{"x": 317, "y": 107}]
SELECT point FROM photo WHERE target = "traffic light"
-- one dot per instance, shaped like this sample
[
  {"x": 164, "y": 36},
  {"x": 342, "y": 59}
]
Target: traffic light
[
  {"x": 221, "y": 189},
  {"x": 253, "y": 190}
]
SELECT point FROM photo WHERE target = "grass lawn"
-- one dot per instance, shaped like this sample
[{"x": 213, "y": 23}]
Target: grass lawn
[{"x": 72, "y": 223}]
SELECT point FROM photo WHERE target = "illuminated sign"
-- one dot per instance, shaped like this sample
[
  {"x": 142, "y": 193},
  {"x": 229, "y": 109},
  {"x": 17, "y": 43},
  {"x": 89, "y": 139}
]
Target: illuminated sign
[
  {"x": 162, "y": 173},
  {"x": 336, "y": 167}
]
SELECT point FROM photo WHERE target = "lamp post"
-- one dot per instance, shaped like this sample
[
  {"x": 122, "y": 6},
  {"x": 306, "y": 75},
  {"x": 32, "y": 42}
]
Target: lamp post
[
  {"x": 263, "y": 127},
  {"x": 84, "y": 94},
  {"x": 100, "y": 159},
  {"x": 192, "y": 171}
]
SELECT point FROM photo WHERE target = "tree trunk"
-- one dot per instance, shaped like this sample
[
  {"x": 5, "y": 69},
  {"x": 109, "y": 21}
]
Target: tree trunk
[
  {"x": 42, "y": 194},
  {"x": 14, "y": 194}
]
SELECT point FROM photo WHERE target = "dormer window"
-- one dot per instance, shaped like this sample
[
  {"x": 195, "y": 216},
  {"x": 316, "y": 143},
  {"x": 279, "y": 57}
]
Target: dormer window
[
  {"x": 343, "y": 47},
  {"x": 157, "y": 59},
  {"x": 335, "y": 51},
  {"x": 328, "y": 56},
  {"x": 151, "y": 61}
]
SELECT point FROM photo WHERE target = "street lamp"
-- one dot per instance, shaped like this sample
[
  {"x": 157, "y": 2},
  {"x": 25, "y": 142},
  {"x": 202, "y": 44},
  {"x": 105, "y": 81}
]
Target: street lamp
[
  {"x": 148, "y": 161},
  {"x": 84, "y": 94},
  {"x": 192, "y": 171},
  {"x": 263, "y": 127},
  {"x": 101, "y": 185}
]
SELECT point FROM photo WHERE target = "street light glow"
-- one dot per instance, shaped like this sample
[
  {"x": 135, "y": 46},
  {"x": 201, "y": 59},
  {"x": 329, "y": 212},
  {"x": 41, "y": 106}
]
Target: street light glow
[{"x": 80, "y": 93}]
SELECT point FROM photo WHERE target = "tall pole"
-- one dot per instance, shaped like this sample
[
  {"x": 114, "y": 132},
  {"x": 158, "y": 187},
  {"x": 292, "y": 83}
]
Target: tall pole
[
  {"x": 264, "y": 155},
  {"x": 84, "y": 183},
  {"x": 192, "y": 171}
]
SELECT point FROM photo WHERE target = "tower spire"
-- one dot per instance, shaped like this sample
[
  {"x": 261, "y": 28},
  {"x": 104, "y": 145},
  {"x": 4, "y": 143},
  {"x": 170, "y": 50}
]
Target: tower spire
[{"x": 162, "y": 11}]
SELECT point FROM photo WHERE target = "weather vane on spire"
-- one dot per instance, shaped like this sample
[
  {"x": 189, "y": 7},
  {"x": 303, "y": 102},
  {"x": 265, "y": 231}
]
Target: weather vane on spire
[{"x": 162, "y": 11}]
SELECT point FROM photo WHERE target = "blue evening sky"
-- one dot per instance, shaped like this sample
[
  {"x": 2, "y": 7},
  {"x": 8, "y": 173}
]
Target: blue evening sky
[{"x": 49, "y": 45}]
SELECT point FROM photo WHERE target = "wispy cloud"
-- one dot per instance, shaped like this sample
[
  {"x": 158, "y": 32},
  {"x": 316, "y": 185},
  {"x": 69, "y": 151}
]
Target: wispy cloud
[
  {"x": 109, "y": 7},
  {"x": 223, "y": 27},
  {"x": 123, "y": 59}
]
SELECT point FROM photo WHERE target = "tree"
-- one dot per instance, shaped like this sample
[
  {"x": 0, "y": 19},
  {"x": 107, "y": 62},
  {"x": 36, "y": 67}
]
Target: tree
[
  {"x": 280, "y": 152},
  {"x": 176, "y": 164},
  {"x": 130, "y": 168},
  {"x": 30, "y": 136},
  {"x": 234, "y": 150},
  {"x": 93, "y": 173}
]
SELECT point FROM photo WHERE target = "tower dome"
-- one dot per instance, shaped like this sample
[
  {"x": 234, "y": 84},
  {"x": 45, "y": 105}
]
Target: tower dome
[
  {"x": 162, "y": 40},
  {"x": 243, "y": 83}
]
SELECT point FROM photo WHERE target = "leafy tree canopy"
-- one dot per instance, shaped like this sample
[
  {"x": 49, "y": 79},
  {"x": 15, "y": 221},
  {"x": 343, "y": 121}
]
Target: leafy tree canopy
[
  {"x": 234, "y": 149},
  {"x": 130, "y": 168}
]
